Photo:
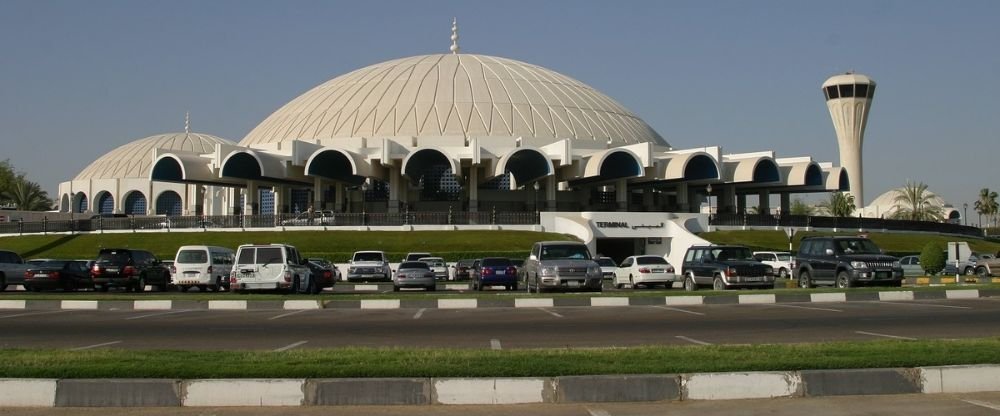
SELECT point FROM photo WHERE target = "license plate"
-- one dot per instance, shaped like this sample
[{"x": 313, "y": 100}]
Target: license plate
[
  {"x": 753, "y": 279},
  {"x": 190, "y": 273},
  {"x": 657, "y": 270},
  {"x": 41, "y": 275},
  {"x": 883, "y": 275},
  {"x": 112, "y": 270},
  {"x": 573, "y": 283},
  {"x": 500, "y": 272}
]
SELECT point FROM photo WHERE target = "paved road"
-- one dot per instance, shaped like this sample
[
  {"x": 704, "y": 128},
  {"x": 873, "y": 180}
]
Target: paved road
[
  {"x": 503, "y": 328},
  {"x": 987, "y": 404}
]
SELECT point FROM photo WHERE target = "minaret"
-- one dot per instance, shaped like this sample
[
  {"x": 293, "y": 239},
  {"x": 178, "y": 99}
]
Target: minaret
[
  {"x": 849, "y": 98},
  {"x": 454, "y": 35}
]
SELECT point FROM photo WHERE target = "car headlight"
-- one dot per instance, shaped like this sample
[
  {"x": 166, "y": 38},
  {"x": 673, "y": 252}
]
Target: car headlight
[
  {"x": 351, "y": 269},
  {"x": 548, "y": 271},
  {"x": 859, "y": 265},
  {"x": 594, "y": 270},
  {"x": 897, "y": 265},
  {"x": 769, "y": 270}
]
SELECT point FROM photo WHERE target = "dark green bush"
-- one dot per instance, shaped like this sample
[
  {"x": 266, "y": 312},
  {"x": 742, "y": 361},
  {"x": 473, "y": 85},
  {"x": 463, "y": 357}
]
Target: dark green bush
[{"x": 932, "y": 258}]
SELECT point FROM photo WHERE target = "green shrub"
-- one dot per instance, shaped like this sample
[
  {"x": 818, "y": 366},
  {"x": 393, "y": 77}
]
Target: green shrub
[{"x": 932, "y": 258}]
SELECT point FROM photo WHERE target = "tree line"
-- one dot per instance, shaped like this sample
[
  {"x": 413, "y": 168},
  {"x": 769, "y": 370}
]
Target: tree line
[{"x": 17, "y": 192}]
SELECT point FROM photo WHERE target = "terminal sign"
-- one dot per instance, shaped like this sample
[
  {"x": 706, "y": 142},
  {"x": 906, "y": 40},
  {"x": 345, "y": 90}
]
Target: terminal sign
[{"x": 611, "y": 224}]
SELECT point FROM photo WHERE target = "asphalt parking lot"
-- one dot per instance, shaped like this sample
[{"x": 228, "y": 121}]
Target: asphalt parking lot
[{"x": 501, "y": 328}]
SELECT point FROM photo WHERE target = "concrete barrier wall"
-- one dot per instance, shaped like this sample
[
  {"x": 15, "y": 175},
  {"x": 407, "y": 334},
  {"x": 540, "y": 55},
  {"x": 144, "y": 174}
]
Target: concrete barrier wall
[{"x": 486, "y": 391}]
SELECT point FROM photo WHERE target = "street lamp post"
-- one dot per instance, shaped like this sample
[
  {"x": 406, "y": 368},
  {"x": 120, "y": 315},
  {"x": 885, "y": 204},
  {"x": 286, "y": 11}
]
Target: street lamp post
[
  {"x": 364, "y": 203},
  {"x": 536, "y": 198},
  {"x": 965, "y": 212},
  {"x": 708, "y": 189}
]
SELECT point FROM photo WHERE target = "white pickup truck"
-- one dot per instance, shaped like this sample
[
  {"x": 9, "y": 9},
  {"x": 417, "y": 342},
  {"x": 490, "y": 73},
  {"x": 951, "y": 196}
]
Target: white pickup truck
[{"x": 12, "y": 268}]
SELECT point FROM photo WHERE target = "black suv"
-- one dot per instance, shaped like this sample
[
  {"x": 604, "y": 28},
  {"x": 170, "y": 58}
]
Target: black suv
[
  {"x": 725, "y": 267},
  {"x": 844, "y": 262},
  {"x": 130, "y": 269}
]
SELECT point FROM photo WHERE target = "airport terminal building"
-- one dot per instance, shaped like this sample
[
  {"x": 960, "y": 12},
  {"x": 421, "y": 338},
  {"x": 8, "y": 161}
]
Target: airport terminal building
[{"x": 445, "y": 132}]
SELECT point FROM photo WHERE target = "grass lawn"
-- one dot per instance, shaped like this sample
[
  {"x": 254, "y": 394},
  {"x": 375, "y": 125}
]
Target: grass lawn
[
  {"x": 398, "y": 362},
  {"x": 911, "y": 243},
  {"x": 336, "y": 246}
]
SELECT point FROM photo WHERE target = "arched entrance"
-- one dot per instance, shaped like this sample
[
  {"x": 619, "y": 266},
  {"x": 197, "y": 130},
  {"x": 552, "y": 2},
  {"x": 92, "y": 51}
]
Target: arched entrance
[
  {"x": 80, "y": 202},
  {"x": 135, "y": 203},
  {"x": 169, "y": 203},
  {"x": 105, "y": 203}
]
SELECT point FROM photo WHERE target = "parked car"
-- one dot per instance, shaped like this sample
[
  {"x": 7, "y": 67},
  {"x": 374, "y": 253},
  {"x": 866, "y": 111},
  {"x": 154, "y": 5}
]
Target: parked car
[
  {"x": 608, "y": 267},
  {"x": 988, "y": 266},
  {"x": 323, "y": 271},
  {"x": 462, "y": 269},
  {"x": 204, "y": 267},
  {"x": 12, "y": 268},
  {"x": 414, "y": 274},
  {"x": 519, "y": 268},
  {"x": 562, "y": 265},
  {"x": 437, "y": 266},
  {"x": 271, "y": 267},
  {"x": 316, "y": 218},
  {"x": 415, "y": 256},
  {"x": 967, "y": 266},
  {"x": 725, "y": 267},
  {"x": 130, "y": 269},
  {"x": 844, "y": 262},
  {"x": 57, "y": 274},
  {"x": 369, "y": 265},
  {"x": 780, "y": 261},
  {"x": 494, "y": 271},
  {"x": 911, "y": 266},
  {"x": 645, "y": 270}
]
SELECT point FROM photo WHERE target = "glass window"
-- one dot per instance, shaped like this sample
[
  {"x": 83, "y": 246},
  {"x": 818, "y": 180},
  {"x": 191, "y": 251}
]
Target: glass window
[
  {"x": 627, "y": 262},
  {"x": 784, "y": 256},
  {"x": 246, "y": 255},
  {"x": 116, "y": 257},
  {"x": 192, "y": 257},
  {"x": 606, "y": 262},
  {"x": 861, "y": 90},
  {"x": 847, "y": 90},
  {"x": 414, "y": 265},
  {"x": 567, "y": 251},
  {"x": 369, "y": 256},
  {"x": 650, "y": 260},
  {"x": 831, "y": 92},
  {"x": 269, "y": 255}
]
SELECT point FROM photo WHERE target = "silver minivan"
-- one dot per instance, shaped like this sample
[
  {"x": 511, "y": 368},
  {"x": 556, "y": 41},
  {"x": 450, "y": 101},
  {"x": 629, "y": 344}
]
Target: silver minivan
[{"x": 204, "y": 267}]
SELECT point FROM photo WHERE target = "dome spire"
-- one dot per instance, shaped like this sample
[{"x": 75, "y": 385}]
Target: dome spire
[
  {"x": 187, "y": 122},
  {"x": 454, "y": 35}
]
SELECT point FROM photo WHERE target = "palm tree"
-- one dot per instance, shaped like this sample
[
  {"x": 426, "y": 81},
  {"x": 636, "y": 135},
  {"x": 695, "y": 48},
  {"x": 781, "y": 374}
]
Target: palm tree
[
  {"x": 841, "y": 204},
  {"x": 26, "y": 195},
  {"x": 915, "y": 203},
  {"x": 987, "y": 205}
]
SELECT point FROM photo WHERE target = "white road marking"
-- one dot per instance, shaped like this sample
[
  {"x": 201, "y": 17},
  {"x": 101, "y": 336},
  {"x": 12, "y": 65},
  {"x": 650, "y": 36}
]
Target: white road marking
[
  {"x": 874, "y": 334},
  {"x": 679, "y": 310},
  {"x": 495, "y": 345},
  {"x": 983, "y": 404},
  {"x": 419, "y": 313},
  {"x": 34, "y": 313},
  {"x": 290, "y": 346},
  {"x": 95, "y": 346},
  {"x": 597, "y": 412},
  {"x": 287, "y": 314},
  {"x": 924, "y": 304},
  {"x": 807, "y": 307},
  {"x": 550, "y": 312},
  {"x": 157, "y": 314},
  {"x": 693, "y": 341}
]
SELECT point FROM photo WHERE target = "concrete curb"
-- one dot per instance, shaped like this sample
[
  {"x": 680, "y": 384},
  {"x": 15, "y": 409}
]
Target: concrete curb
[
  {"x": 472, "y": 303},
  {"x": 485, "y": 391}
]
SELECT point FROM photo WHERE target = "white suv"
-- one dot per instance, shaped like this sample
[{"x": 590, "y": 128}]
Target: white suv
[
  {"x": 369, "y": 265},
  {"x": 270, "y": 267},
  {"x": 781, "y": 261}
]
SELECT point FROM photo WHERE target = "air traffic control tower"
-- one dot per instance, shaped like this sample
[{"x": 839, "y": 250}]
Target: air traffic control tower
[{"x": 849, "y": 97}]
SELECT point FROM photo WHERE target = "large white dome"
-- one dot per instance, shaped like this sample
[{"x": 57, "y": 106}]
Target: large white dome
[
  {"x": 454, "y": 95},
  {"x": 133, "y": 160}
]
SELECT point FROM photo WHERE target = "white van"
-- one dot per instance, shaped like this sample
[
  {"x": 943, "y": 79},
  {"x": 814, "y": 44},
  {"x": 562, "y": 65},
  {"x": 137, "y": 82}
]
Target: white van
[{"x": 207, "y": 267}]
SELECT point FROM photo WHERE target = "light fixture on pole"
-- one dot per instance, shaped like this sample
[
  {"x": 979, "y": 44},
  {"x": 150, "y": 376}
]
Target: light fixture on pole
[
  {"x": 965, "y": 212},
  {"x": 364, "y": 202},
  {"x": 708, "y": 189},
  {"x": 536, "y": 197}
]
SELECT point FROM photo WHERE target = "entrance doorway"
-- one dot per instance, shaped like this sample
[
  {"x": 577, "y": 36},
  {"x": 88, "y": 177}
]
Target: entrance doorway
[{"x": 620, "y": 248}]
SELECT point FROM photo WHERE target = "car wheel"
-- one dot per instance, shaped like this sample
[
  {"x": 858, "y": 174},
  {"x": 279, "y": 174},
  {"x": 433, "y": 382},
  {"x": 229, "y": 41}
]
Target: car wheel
[
  {"x": 3, "y": 282},
  {"x": 843, "y": 280},
  {"x": 981, "y": 272},
  {"x": 718, "y": 284},
  {"x": 689, "y": 284},
  {"x": 140, "y": 285},
  {"x": 479, "y": 286},
  {"x": 619, "y": 285},
  {"x": 295, "y": 285},
  {"x": 968, "y": 271},
  {"x": 783, "y": 273},
  {"x": 313, "y": 288},
  {"x": 631, "y": 282},
  {"x": 805, "y": 280},
  {"x": 218, "y": 284}
]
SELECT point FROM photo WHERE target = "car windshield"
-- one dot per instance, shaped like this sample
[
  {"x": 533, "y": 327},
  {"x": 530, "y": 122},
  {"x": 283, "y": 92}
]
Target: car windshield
[
  {"x": 117, "y": 257},
  {"x": 606, "y": 262},
  {"x": 414, "y": 265},
  {"x": 320, "y": 262},
  {"x": 496, "y": 263},
  {"x": 784, "y": 256},
  {"x": 368, "y": 257},
  {"x": 417, "y": 256},
  {"x": 650, "y": 260},
  {"x": 732, "y": 253},
  {"x": 58, "y": 264},
  {"x": 857, "y": 246},
  {"x": 567, "y": 251},
  {"x": 192, "y": 256},
  {"x": 465, "y": 263},
  {"x": 433, "y": 261}
]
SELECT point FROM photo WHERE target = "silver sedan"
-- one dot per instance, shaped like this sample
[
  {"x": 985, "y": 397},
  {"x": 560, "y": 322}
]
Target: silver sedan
[{"x": 414, "y": 274}]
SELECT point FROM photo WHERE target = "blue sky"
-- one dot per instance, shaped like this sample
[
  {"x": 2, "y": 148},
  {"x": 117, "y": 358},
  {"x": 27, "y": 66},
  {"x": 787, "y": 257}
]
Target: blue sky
[{"x": 79, "y": 78}]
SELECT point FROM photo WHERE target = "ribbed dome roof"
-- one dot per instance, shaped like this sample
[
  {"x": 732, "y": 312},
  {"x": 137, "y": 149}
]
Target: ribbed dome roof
[
  {"x": 454, "y": 95},
  {"x": 133, "y": 160},
  {"x": 848, "y": 78}
]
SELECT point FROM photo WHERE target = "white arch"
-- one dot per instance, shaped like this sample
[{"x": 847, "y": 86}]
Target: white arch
[
  {"x": 452, "y": 162},
  {"x": 501, "y": 166},
  {"x": 596, "y": 160}
]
